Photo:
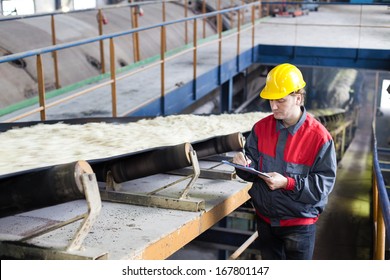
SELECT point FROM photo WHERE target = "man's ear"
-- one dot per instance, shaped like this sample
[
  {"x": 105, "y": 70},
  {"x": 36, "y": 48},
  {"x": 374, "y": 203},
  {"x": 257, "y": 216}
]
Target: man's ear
[{"x": 299, "y": 99}]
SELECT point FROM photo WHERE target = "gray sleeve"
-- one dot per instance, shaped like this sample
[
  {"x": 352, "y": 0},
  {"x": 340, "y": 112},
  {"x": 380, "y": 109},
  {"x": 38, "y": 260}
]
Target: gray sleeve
[{"x": 316, "y": 186}]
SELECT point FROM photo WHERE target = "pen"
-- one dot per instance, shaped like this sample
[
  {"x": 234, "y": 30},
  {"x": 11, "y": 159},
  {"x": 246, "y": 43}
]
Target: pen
[{"x": 243, "y": 151}]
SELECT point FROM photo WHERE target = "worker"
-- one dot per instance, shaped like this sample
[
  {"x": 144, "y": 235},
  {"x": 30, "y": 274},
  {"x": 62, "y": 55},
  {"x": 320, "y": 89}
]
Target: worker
[{"x": 298, "y": 154}]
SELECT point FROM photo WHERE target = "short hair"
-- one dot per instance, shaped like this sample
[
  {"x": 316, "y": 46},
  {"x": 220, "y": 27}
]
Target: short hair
[{"x": 302, "y": 92}]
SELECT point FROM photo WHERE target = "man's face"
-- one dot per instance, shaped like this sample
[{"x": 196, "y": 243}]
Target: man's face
[{"x": 285, "y": 108}]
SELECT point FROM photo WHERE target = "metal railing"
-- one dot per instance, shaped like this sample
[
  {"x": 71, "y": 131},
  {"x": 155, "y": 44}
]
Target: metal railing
[
  {"x": 380, "y": 198},
  {"x": 43, "y": 106},
  {"x": 100, "y": 21},
  {"x": 381, "y": 207}
]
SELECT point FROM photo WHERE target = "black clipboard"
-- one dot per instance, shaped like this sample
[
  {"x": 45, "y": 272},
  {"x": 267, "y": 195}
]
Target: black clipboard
[{"x": 246, "y": 168}]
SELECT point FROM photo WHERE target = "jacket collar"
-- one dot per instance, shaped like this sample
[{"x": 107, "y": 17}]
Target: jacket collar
[{"x": 294, "y": 128}]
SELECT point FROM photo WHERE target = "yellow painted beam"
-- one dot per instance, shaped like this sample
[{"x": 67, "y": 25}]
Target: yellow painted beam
[{"x": 174, "y": 241}]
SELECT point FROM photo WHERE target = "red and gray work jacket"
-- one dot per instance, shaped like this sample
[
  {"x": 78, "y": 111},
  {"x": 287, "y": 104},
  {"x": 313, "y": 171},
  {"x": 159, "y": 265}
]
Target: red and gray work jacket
[{"x": 305, "y": 154}]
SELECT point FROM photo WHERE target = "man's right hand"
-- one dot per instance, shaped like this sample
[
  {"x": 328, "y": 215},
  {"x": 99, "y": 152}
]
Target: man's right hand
[{"x": 240, "y": 158}]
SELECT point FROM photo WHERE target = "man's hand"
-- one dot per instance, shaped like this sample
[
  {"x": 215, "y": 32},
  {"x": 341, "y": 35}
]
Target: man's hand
[
  {"x": 276, "y": 181},
  {"x": 240, "y": 158}
]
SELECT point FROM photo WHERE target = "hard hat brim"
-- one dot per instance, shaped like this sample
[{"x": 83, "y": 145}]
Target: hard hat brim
[
  {"x": 271, "y": 95},
  {"x": 265, "y": 94}
]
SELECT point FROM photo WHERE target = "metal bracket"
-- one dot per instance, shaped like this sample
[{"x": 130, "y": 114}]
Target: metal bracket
[
  {"x": 208, "y": 173},
  {"x": 22, "y": 251},
  {"x": 92, "y": 196},
  {"x": 111, "y": 185},
  {"x": 194, "y": 177},
  {"x": 182, "y": 202}
]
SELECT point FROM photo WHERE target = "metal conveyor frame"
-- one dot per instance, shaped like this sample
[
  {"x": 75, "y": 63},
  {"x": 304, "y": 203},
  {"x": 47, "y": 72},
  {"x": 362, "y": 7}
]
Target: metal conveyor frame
[{"x": 22, "y": 248}]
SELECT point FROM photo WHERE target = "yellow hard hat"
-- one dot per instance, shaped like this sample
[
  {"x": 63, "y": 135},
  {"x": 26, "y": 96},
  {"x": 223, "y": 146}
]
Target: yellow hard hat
[{"x": 281, "y": 81}]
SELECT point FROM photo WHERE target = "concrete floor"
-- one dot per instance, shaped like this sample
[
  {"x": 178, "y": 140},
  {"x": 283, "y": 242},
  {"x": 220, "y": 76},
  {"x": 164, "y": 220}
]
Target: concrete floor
[{"x": 344, "y": 230}]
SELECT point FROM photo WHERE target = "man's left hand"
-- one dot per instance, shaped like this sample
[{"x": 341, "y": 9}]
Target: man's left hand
[{"x": 276, "y": 181}]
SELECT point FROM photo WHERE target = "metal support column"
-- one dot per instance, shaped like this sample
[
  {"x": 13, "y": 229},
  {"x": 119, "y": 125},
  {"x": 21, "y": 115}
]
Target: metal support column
[{"x": 227, "y": 96}]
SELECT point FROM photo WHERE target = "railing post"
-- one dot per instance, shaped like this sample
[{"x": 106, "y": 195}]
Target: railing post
[
  {"x": 227, "y": 96},
  {"x": 253, "y": 33},
  {"x": 186, "y": 22},
  {"x": 260, "y": 9},
  {"x": 374, "y": 210},
  {"x": 381, "y": 236},
  {"x": 219, "y": 28},
  {"x": 164, "y": 18},
  {"x": 113, "y": 78},
  {"x": 54, "y": 54},
  {"x": 238, "y": 37},
  {"x": 101, "y": 43},
  {"x": 162, "y": 54},
  {"x": 231, "y": 17},
  {"x": 134, "y": 24},
  {"x": 374, "y": 197},
  {"x": 204, "y": 18},
  {"x": 195, "y": 58},
  {"x": 41, "y": 87},
  {"x": 242, "y": 12}
]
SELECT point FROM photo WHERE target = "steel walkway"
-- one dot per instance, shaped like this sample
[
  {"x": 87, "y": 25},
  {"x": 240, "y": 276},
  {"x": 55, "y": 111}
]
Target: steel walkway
[{"x": 345, "y": 229}]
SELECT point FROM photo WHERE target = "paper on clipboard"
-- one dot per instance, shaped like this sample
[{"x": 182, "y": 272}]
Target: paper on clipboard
[{"x": 246, "y": 168}]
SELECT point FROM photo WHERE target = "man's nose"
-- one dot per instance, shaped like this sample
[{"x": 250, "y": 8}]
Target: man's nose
[{"x": 273, "y": 105}]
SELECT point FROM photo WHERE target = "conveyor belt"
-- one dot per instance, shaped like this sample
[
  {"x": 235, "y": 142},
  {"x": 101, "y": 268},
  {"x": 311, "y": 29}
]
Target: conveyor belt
[
  {"x": 46, "y": 186},
  {"x": 4, "y": 126}
]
